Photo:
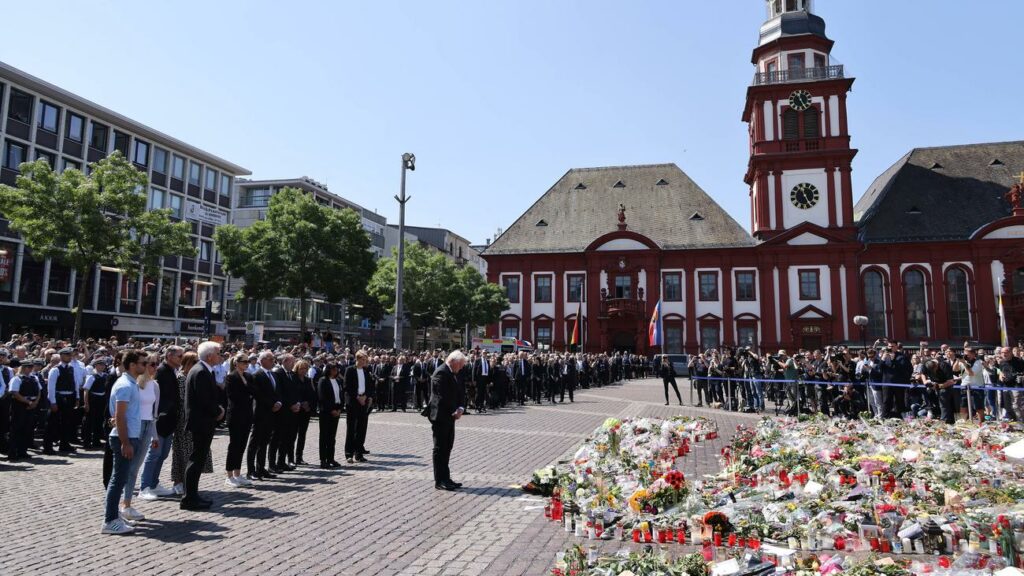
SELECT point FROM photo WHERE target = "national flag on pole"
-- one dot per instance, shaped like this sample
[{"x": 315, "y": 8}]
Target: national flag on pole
[
  {"x": 576, "y": 326},
  {"x": 1004, "y": 334},
  {"x": 654, "y": 330}
]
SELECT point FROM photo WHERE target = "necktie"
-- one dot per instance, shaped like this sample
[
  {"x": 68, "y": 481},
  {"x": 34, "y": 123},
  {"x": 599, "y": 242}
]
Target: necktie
[{"x": 273, "y": 382}]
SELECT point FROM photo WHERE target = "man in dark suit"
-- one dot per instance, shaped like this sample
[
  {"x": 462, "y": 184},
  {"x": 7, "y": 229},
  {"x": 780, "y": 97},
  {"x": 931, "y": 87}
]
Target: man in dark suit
[
  {"x": 569, "y": 375},
  {"x": 268, "y": 403},
  {"x": 202, "y": 412},
  {"x": 286, "y": 421},
  {"x": 447, "y": 404},
  {"x": 482, "y": 376},
  {"x": 522, "y": 374}
]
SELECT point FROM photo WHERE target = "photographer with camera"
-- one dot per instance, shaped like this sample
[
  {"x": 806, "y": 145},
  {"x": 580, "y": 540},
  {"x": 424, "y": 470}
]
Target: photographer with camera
[
  {"x": 871, "y": 372},
  {"x": 1011, "y": 375},
  {"x": 938, "y": 377},
  {"x": 970, "y": 370}
]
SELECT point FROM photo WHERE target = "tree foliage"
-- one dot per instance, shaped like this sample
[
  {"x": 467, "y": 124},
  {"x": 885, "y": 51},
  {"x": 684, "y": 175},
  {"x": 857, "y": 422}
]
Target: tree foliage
[
  {"x": 436, "y": 292},
  {"x": 85, "y": 221},
  {"x": 300, "y": 250}
]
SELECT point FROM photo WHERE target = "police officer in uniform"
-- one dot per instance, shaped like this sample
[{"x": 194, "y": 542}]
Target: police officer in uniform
[
  {"x": 63, "y": 388},
  {"x": 24, "y": 390},
  {"x": 95, "y": 398}
]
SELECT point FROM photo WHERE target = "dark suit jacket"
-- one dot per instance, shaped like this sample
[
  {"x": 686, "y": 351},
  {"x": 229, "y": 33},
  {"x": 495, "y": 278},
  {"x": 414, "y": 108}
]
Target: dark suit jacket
[
  {"x": 287, "y": 389},
  {"x": 238, "y": 388},
  {"x": 167, "y": 412},
  {"x": 307, "y": 392},
  {"x": 521, "y": 373},
  {"x": 352, "y": 385},
  {"x": 265, "y": 395},
  {"x": 326, "y": 393},
  {"x": 447, "y": 395},
  {"x": 201, "y": 400},
  {"x": 478, "y": 371}
]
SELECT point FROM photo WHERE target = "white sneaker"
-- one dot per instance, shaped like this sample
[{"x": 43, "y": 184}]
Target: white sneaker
[
  {"x": 179, "y": 489},
  {"x": 148, "y": 494},
  {"x": 161, "y": 491},
  {"x": 131, "y": 514},
  {"x": 243, "y": 481},
  {"x": 231, "y": 482},
  {"x": 116, "y": 526}
]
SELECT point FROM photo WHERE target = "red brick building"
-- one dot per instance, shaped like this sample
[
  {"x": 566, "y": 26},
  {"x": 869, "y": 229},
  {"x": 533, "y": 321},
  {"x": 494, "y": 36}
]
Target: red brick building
[{"x": 924, "y": 254}]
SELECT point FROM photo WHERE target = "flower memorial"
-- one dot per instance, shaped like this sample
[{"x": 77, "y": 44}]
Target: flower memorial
[
  {"x": 623, "y": 477},
  {"x": 807, "y": 497}
]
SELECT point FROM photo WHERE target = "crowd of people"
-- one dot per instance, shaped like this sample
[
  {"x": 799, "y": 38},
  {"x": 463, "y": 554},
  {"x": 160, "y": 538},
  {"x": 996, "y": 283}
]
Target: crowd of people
[
  {"x": 144, "y": 402},
  {"x": 884, "y": 379}
]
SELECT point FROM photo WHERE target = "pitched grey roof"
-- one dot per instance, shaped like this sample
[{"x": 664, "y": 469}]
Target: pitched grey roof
[
  {"x": 943, "y": 193},
  {"x": 574, "y": 216}
]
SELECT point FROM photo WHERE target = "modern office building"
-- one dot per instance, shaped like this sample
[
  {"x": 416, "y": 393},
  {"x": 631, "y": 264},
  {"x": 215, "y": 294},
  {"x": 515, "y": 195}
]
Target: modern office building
[
  {"x": 40, "y": 120},
  {"x": 278, "y": 319}
]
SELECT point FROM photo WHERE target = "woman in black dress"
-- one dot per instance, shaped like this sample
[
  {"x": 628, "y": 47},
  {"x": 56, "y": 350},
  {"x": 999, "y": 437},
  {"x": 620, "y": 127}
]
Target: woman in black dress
[
  {"x": 237, "y": 387},
  {"x": 307, "y": 406},
  {"x": 668, "y": 376},
  {"x": 331, "y": 390}
]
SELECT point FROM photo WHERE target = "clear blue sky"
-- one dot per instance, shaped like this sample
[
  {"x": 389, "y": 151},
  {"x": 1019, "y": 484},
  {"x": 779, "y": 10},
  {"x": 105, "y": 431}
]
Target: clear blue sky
[{"x": 498, "y": 99}]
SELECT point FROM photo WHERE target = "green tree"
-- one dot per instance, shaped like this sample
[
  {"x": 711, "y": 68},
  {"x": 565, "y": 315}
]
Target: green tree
[
  {"x": 84, "y": 221},
  {"x": 299, "y": 250},
  {"x": 429, "y": 284},
  {"x": 476, "y": 301},
  {"x": 437, "y": 292}
]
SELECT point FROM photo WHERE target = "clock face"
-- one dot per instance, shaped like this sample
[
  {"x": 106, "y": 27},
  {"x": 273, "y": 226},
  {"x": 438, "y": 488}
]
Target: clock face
[
  {"x": 804, "y": 196},
  {"x": 800, "y": 100}
]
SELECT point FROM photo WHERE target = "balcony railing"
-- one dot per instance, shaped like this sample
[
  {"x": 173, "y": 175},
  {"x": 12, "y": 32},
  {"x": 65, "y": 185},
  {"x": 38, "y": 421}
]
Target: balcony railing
[
  {"x": 623, "y": 307},
  {"x": 798, "y": 75}
]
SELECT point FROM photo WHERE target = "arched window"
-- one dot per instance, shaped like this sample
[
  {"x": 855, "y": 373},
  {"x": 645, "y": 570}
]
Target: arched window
[
  {"x": 916, "y": 303},
  {"x": 811, "y": 123},
  {"x": 790, "y": 125},
  {"x": 874, "y": 304},
  {"x": 959, "y": 303}
]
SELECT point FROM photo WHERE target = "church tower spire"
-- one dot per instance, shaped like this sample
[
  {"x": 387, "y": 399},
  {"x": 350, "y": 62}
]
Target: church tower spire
[{"x": 800, "y": 155}]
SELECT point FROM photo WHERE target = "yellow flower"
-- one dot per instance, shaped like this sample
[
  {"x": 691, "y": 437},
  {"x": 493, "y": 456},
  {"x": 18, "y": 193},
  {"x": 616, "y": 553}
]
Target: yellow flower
[{"x": 634, "y": 500}]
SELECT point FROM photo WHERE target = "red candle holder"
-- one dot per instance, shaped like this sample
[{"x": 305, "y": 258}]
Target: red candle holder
[
  {"x": 754, "y": 543},
  {"x": 718, "y": 539},
  {"x": 636, "y": 535},
  {"x": 648, "y": 537},
  {"x": 840, "y": 543},
  {"x": 944, "y": 561},
  {"x": 681, "y": 535},
  {"x": 732, "y": 540},
  {"x": 741, "y": 542},
  {"x": 875, "y": 546}
]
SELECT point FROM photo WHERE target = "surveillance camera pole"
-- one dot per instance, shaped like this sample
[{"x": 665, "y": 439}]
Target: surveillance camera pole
[{"x": 408, "y": 163}]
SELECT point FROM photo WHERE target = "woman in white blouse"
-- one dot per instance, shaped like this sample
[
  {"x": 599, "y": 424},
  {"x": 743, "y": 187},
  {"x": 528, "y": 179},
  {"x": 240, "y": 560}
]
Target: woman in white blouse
[
  {"x": 331, "y": 391},
  {"x": 149, "y": 396}
]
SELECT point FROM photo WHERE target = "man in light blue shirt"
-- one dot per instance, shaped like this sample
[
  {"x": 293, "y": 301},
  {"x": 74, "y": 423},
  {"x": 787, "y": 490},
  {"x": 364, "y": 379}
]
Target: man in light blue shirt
[{"x": 126, "y": 408}]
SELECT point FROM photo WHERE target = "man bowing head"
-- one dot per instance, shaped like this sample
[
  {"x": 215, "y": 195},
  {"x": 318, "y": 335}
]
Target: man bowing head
[{"x": 447, "y": 404}]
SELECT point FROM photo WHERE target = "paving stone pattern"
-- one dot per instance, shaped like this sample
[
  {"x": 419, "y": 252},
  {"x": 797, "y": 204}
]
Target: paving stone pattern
[{"x": 383, "y": 517}]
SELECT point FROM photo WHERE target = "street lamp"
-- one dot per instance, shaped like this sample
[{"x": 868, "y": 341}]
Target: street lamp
[
  {"x": 862, "y": 321},
  {"x": 408, "y": 163}
]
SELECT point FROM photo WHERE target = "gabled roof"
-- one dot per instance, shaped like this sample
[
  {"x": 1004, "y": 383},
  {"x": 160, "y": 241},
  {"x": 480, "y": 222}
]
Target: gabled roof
[
  {"x": 943, "y": 193},
  {"x": 575, "y": 216}
]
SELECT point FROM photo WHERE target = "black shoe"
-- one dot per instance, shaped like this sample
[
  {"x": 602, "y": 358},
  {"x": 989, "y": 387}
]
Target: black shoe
[
  {"x": 334, "y": 464},
  {"x": 666, "y": 403},
  {"x": 276, "y": 469},
  {"x": 360, "y": 459},
  {"x": 452, "y": 485},
  {"x": 349, "y": 460},
  {"x": 252, "y": 476},
  {"x": 448, "y": 487},
  {"x": 49, "y": 452},
  {"x": 456, "y": 484},
  {"x": 194, "y": 505},
  {"x": 267, "y": 474},
  {"x": 325, "y": 466},
  {"x": 288, "y": 468},
  {"x": 365, "y": 451},
  {"x": 301, "y": 462}
]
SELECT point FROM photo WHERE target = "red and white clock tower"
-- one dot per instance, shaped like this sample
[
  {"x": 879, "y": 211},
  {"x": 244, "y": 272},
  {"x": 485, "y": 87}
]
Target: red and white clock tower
[{"x": 800, "y": 155}]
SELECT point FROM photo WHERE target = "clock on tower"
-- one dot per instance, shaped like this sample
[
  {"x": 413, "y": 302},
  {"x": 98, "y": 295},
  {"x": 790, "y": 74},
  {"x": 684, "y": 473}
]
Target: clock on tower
[{"x": 800, "y": 155}]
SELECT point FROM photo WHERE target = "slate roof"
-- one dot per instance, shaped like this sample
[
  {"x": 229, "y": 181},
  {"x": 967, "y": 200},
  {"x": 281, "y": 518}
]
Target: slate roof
[
  {"x": 660, "y": 199},
  {"x": 943, "y": 193}
]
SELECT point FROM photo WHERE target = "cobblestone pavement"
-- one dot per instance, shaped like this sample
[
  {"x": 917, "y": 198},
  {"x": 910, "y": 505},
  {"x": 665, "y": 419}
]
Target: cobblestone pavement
[{"x": 383, "y": 517}]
